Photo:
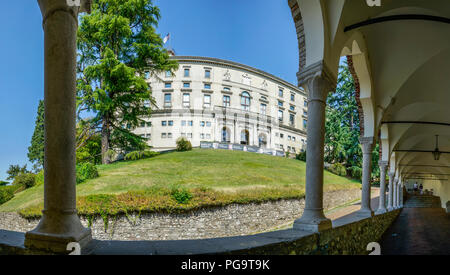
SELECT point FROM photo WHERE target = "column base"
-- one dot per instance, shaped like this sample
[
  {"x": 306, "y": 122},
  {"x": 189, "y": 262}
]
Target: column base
[
  {"x": 381, "y": 211},
  {"x": 365, "y": 213},
  {"x": 390, "y": 208},
  {"x": 312, "y": 221},
  {"x": 54, "y": 232}
]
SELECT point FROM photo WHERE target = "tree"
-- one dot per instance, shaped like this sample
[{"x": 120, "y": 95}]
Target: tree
[
  {"x": 36, "y": 150},
  {"x": 88, "y": 143},
  {"x": 3, "y": 183},
  {"x": 342, "y": 127},
  {"x": 117, "y": 45},
  {"x": 15, "y": 170}
]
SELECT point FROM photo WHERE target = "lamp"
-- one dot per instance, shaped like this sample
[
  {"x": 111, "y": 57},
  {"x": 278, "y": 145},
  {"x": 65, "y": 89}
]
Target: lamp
[{"x": 436, "y": 153}]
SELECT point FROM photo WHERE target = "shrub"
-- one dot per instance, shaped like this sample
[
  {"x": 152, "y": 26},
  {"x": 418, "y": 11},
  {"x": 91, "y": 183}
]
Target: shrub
[
  {"x": 181, "y": 196},
  {"x": 136, "y": 155},
  {"x": 301, "y": 156},
  {"x": 183, "y": 145},
  {"x": 338, "y": 169},
  {"x": 26, "y": 180},
  {"x": 7, "y": 192},
  {"x": 40, "y": 178},
  {"x": 356, "y": 172},
  {"x": 86, "y": 171}
]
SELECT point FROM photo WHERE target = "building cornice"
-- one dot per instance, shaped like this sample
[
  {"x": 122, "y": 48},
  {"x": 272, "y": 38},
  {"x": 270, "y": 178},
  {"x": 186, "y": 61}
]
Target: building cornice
[{"x": 235, "y": 65}]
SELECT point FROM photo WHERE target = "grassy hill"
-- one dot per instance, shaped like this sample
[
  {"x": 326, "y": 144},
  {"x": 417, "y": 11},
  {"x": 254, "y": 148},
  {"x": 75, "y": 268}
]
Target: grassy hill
[{"x": 208, "y": 177}]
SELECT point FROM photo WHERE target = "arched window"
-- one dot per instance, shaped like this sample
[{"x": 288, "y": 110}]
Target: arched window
[
  {"x": 245, "y": 101},
  {"x": 245, "y": 137},
  {"x": 225, "y": 135}
]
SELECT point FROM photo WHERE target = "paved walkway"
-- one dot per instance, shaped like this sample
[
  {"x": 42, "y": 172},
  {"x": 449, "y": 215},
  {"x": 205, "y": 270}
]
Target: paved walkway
[{"x": 418, "y": 231}]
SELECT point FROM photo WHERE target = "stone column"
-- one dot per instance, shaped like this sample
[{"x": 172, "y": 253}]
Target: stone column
[
  {"x": 318, "y": 85},
  {"x": 382, "y": 204},
  {"x": 395, "y": 193},
  {"x": 391, "y": 192},
  {"x": 367, "y": 144},
  {"x": 60, "y": 224}
]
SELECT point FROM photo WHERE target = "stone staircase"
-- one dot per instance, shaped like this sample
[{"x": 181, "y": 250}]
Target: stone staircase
[{"x": 422, "y": 201}]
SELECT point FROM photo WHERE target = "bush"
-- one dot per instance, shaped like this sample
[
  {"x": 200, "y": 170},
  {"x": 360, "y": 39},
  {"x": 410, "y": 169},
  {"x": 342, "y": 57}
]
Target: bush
[
  {"x": 7, "y": 192},
  {"x": 181, "y": 196},
  {"x": 356, "y": 172},
  {"x": 25, "y": 180},
  {"x": 136, "y": 155},
  {"x": 338, "y": 169},
  {"x": 40, "y": 178},
  {"x": 183, "y": 145},
  {"x": 301, "y": 156},
  {"x": 86, "y": 171}
]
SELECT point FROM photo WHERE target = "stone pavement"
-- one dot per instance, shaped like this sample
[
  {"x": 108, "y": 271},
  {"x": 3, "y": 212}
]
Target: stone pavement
[{"x": 418, "y": 231}]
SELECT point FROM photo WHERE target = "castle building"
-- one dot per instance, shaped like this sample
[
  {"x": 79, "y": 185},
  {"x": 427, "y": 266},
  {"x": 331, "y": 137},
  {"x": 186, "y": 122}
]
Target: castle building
[{"x": 214, "y": 100}]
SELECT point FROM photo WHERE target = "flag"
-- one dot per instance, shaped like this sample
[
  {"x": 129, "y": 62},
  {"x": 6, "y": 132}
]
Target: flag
[{"x": 166, "y": 38}]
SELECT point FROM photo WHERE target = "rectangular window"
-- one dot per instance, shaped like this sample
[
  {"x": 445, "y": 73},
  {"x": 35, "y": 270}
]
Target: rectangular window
[
  {"x": 202, "y": 136},
  {"x": 148, "y": 136},
  {"x": 305, "y": 113},
  {"x": 168, "y": 73},
  {"x": 186, "y": 85},
  {"x": 142, "y": 124},
  {"x": 169, "y": 135},
  {"x": 186, "y": 100},
  {"x": 226, "y": 89},
  {"x": 191, "y": 123},
  {"x": 280, "y": 103},
  {"x": 305, "y": 124},
  {"x": 281, "y": 135},
  {"x": 202, "y": 124},
  {"x": 207, "y": 73},
  {"x": 208, "y": 136},
  {"x": 168, "y": 85},
  {"x": 149, "y": 124},
  {"x": 291, "y": 119},
  {"x": 305, "y": 103},
  {"x": 207, "y": 101},
  {"x": 263, "y": 108},
  {"x": 289, "y": 138},
  {"x": 186, "y": 72},
  {"x": 189, "y": 135},
  {"x": 208, "y": 124},
  {"x": 226, "y": 101},
  {"x": 292, "y": 97},
  {"x": 280, "y": 93},
  {"x": 207, "y": 86},
  {"x": 293, "y": 138},
  {"x": 183, "y": 134},
  {"x": 147, "y": 75},
  {"x": 183, "y": 123},
  {"x": 292, "y": 108},
  {"x": 280, "y": 115},
  {"x": 167, "y": 100},
  {"x": 163, "y": 123},
  {"x": 163, "y": 135},
  {"x": 170, "y": 122}
]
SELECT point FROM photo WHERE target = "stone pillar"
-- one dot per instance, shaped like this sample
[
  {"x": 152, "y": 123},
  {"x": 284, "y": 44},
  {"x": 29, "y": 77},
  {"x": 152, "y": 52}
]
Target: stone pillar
[
  {"x": 318, "y": 85},
  {"x": 382, "y": 204},
  {"x": 367, "y": 144},
  {"x": 401, "y": 195},
  {"x": 395, "y": 205},
  {"x": 391, "y": 192},
  {"x": 60, "y": 224}
]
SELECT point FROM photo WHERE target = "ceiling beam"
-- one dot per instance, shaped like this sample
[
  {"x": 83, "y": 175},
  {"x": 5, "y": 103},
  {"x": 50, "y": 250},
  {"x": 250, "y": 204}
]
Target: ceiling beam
[{"x": 416, "y": 122}]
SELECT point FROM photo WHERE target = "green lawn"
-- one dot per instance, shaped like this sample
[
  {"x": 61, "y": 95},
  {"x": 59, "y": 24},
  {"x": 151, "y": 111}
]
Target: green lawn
[{"x": 231, "y": 173}]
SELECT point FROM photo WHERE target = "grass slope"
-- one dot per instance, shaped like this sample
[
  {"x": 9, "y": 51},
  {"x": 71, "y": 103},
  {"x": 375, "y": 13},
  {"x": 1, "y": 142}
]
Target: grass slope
[{"x": 213, "y": 176}]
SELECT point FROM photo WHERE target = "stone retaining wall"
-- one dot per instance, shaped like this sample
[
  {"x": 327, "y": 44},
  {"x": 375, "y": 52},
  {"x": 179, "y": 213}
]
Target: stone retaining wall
[{"x": 232, "y": 220}]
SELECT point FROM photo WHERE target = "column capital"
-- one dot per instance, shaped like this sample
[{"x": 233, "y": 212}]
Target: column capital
[
  {"x": 391, "y": 174},
  {"x": 317, "y": 80},
  {"x": 74, "y": 7},
  {"x": 367, "y": 144},
  {"x": 383, "y": 164}
]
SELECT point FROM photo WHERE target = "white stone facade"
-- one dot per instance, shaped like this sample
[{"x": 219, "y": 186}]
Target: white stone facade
[{"x": 214, "y": 100}]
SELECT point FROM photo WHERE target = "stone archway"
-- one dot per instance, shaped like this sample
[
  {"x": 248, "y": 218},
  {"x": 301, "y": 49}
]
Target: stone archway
[{"x": 245, "y": 137}]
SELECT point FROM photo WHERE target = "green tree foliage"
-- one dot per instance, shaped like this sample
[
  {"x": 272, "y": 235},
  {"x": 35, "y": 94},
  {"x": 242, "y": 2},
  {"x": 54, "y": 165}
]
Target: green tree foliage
[
  {"x": 3, "y": 183},
  {"x": 117, "y": 44},
  {"x": 89, "y": 143},
  {"x": 15, "y": 170},
  {"x": 342, "y": 127},
  {"x": 36, "y": 150}
]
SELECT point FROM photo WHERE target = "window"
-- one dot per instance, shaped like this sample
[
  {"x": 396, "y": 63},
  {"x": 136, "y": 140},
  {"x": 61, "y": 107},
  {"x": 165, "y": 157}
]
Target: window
[
  {"x": 170, "y": 122},
  {"x": 186, "y": 100},
  {"x": 207, "y": 101},
  {"x": 263, "y": 108},
  {"x": 183, "y": 123},
  {"x": 226, "y": 101},
  {"x": 128, "y": 126},
  {"x": 280, "y": 115},
  {"x": 245, "y": 137},
  {"x": 208, "y": 136},
  {"x": 280, "y": 93},
  {"x": 305, "y": 123},
  {"x": 305, "y": 103},
  {"x": 292, "y": 97},
  {"x": 167, "y": 85},
  {"x": 291, "y": 119},
  {"x": 289, "y": 138},
  {"x": 264, "y": 98},
  {"x": 169, "y": 135},
  {"x": 183, "y": 134},
  {"x": 202, "y": 136},
  {"x": 142, "y": 124},
  {"x": 147, "y": 103},
  {"x": 202, "y": 124},
  {"x": 147, "y": 75},
  {"x": 207, "y": 73},
  {"x": 164, "y": 123},
  {"x": 149, "y": 124},
  {"x": 148, "y": 136},
  {"x": 293, "y": 139},
  {"x": 281, "y": 135},
  {"x": 292, "y": 108},
  {"x": 186, "y": 72},
  {"x": 226, "y": 89},
  {"x": 167, "y": 100},
  {"x": 163, "y": 135},
  {"x": 305, "y": 113},
  {"x": 225, "y": 135},
  {"x": 189, "y": 135},
  {"x": 207, "y": 86},
  {"x": 168, "y": 73},
  {"x": 245, "y": 101},
  {"x": 186, "y": 85},
  {"x": 208, "y": 124},
  {"x": 280, "y": 103},
  {"x": 191, "y": 123}
]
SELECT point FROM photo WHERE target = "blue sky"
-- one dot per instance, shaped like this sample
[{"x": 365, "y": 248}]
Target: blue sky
[{"x": 259, "y": 33}]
